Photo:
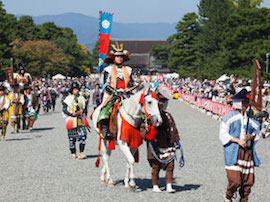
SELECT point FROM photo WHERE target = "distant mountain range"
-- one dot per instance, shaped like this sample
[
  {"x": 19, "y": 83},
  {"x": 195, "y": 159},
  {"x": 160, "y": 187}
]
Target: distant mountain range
[{"x": 86, "y": 28}]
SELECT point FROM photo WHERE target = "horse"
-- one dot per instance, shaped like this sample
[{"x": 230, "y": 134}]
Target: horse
[{"x": 144, "y": 102}]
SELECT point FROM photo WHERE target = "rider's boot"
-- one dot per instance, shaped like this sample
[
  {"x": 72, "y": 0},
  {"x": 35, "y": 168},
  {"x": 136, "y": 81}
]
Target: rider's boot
[{"x": 105, "y": 129}]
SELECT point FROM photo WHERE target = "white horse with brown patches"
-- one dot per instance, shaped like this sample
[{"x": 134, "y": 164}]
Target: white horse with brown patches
[{"x": 144, "y": 102}]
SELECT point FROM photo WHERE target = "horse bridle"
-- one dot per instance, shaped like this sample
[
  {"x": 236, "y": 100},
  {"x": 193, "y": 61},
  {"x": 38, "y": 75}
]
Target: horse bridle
[{"x": 142, "y": 101}]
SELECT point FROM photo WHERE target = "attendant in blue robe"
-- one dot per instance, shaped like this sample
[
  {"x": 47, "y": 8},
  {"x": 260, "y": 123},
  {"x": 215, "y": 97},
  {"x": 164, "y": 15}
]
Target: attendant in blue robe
[{"x": 239, "y": 147}]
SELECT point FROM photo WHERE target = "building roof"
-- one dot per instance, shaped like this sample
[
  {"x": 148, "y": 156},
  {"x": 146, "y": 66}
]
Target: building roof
[
  {"x": 140, "y": 45},
  {"x": 138, "y": 60}
]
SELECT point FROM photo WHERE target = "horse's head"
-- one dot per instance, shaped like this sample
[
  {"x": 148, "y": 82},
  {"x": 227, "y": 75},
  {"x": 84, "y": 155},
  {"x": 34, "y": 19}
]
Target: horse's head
[{"x": 149, "y": 100}]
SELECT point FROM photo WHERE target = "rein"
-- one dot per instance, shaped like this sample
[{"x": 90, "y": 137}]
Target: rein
[
  {"x": 181, "y": 160},
  {"x": 142, "y": 101}
]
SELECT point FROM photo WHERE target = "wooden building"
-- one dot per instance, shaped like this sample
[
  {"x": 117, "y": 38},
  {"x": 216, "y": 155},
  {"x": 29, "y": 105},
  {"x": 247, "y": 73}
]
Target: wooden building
[{"x": 139, "y": 49}]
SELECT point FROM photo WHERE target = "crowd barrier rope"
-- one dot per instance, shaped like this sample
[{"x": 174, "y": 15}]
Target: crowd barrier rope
[{"x": 214, "y": 107}]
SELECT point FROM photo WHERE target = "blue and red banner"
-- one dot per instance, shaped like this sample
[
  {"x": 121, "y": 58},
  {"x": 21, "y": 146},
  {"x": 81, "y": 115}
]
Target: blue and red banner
[{"x": 105, "y": 26}]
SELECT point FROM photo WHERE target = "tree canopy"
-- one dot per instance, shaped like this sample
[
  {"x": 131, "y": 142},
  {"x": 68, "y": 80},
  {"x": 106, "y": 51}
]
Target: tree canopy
[
  {"x": 42, "y": 49},
  {"x": 225, "y": 37}
]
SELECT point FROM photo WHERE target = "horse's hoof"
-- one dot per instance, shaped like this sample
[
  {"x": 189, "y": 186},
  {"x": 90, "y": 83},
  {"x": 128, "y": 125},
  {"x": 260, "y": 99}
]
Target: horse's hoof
[
  {"x": 101, "y": 181},
  {"x": 110, "y": 184},
  {"x": 132, "y": 188},
  {"x": 126, "y": 185}
]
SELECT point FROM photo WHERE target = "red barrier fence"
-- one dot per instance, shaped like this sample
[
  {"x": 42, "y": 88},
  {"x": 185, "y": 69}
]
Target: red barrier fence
[{"x": 214, "y": 107}]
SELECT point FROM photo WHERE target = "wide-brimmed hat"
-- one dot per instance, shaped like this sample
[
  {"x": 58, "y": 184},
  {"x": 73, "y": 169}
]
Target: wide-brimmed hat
[
  {"x": 162, "y": 97},
  {"x": 117, "y": 50},
  {"x": 241, "y": 95}
]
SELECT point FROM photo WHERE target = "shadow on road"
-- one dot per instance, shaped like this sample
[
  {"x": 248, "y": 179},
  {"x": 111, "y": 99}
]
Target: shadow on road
[
  {"x": 91, "y": 156},
  {"x": 17, "y": 139},
  {"x": 42, "y": 129},
  {"x": 145, "y": 184}
]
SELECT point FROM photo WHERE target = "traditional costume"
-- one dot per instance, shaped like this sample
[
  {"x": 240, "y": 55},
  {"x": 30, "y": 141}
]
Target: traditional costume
[
  {"x": 31, "y": 107},
  {"x": 46, "y": 97},
  {"x": 86, "y": 94},
  {"x": 76, "y": 123},
  {"x": 239, "y": 161},
  {"x": 17, "y": 100},
  {"x": 4, "y": 114},
  {"x": 22, "y": 78},
  {"x": 97, "y": 96},
  {"x": 116, "y": 76},
  {"x": 163, "y": 142}
]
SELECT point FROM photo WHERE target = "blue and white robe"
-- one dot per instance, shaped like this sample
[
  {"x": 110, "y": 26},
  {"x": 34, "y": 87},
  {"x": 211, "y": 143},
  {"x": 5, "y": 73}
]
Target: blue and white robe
[{"x": 233, "y": 125}]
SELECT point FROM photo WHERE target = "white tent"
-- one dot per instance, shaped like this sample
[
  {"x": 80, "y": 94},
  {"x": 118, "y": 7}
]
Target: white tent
[
  {"x": 224, "y": 77},
  {"x": 173, "y": 75},
  {"x": 58, "y": 76}
]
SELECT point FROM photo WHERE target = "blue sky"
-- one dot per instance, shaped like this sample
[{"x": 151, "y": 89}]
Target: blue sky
[{"x": 125, "y": 10}]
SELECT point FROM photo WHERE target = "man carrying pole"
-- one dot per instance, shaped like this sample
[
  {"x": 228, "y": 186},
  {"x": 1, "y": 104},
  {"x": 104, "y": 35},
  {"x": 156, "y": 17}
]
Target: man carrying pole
[{"x": 239, "y": 134}]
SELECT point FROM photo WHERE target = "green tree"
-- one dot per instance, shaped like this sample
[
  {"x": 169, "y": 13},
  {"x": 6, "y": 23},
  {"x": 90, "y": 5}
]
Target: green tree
[
  {"x": 183, "y": 46},
  {"x": 247, "y": 38},
  {"x": 41, "y": 57},
  {"x": 213, "y": 17},
  {"x": 26, "y": 29},
  {"x": 49, "y": 31},
  {"x": 7, "y": 35},
  {"x": 161, "y": 55},
  {"x": 247, "y": 3}
]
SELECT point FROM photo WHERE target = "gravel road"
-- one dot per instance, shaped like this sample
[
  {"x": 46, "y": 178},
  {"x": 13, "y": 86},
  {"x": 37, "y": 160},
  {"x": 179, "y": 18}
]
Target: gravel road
[{"x": 37, "y": 166}]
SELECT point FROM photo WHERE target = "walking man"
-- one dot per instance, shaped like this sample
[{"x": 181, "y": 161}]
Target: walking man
[
  {"x": 4, "y": 115},
  {"x": 239, "y": 147},
  {"x": 76, "y": 123}
]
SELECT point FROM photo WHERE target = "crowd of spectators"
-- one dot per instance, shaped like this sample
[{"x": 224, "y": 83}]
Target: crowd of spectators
[{"x": 218, "y": 91}]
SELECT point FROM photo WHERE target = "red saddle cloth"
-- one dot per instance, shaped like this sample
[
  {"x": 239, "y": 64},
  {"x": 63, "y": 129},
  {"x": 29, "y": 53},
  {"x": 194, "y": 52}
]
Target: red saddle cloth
[{"x": 130, "y": 134}]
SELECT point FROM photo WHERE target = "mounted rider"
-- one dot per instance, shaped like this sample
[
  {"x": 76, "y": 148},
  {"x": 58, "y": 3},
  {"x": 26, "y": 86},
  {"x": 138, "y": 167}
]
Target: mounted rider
[
  {"x": 117, "y": 76},
  {"x": 22, "y": 77}
]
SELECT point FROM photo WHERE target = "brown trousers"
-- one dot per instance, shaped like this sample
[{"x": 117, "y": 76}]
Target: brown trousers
[
  {"x": 3, "y": 126},
  {"x": 15, "y": 121},
  {"x": 30, "y": 121},
  {"x": 156, "y": 166},
  {"x": 238, "y": 179}
]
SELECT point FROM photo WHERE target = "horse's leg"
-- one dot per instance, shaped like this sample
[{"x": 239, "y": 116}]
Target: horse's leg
[
  {"x": 106, "y": 153},
  {"x": 126, "y": 150},
  {"x": 105, "y": 170},
  {"x": 126, "y": 181},
  {"x": 132, "y": 175},
  {"x": 105, "y": 162},
  {"x": 103, "y": 173}
]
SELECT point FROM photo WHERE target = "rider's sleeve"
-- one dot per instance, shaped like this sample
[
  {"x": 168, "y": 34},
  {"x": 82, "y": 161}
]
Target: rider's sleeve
[
  {"x": 105, "y": 79},
  {"x": 65, "y": 110}
]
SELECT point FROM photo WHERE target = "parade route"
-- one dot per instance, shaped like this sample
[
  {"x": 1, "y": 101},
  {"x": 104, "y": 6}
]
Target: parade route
[{"x": 37, "y": 166}]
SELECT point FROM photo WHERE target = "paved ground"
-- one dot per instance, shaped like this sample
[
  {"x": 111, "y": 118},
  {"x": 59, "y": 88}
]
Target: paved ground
[{"x": 37, "y": 166}]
